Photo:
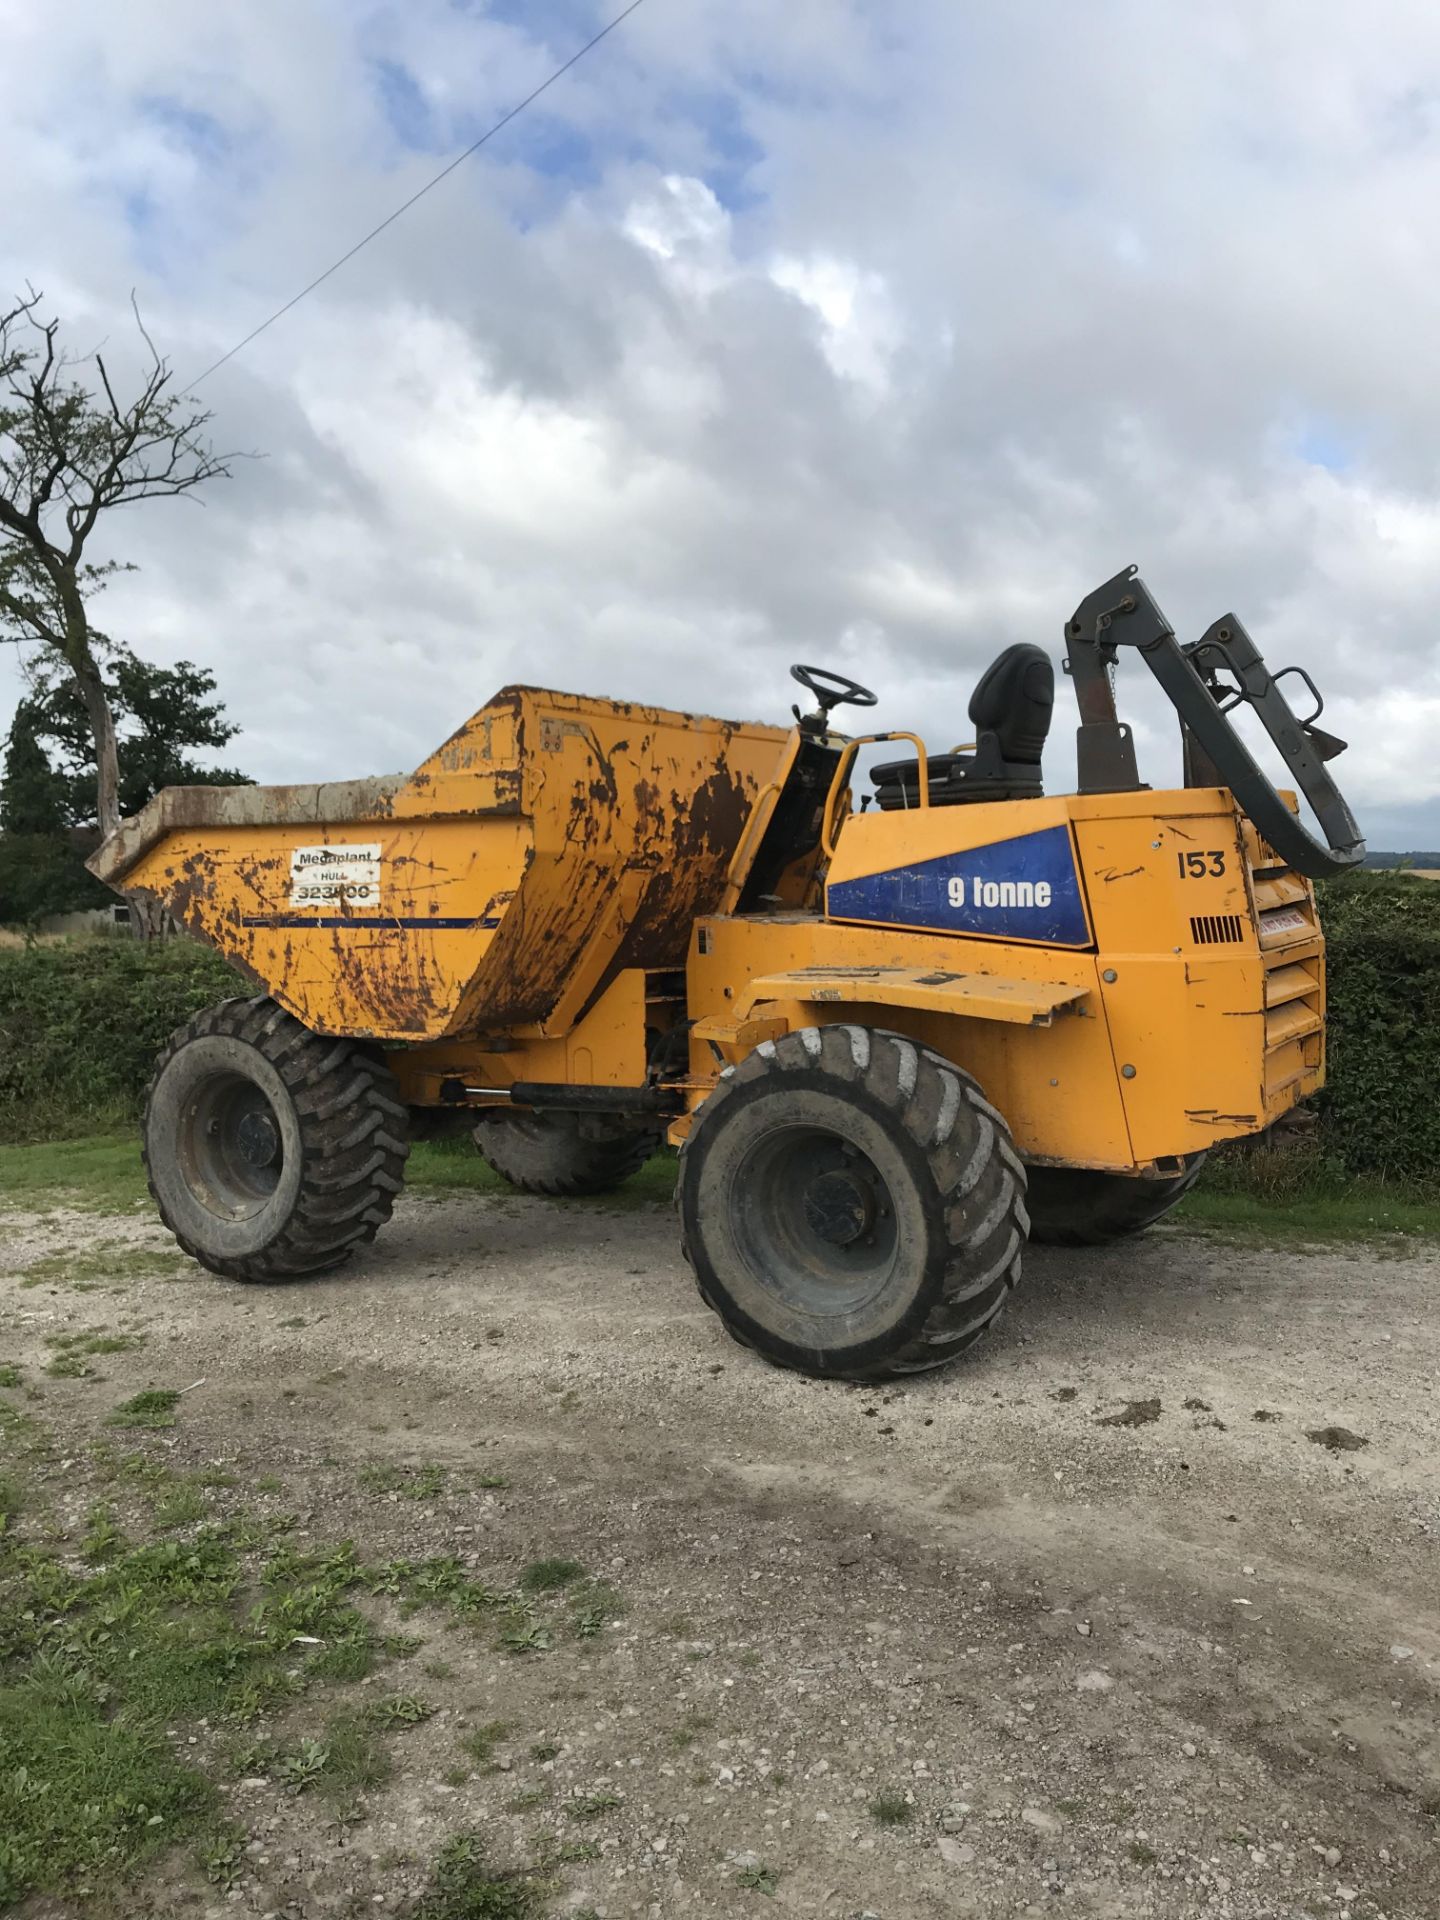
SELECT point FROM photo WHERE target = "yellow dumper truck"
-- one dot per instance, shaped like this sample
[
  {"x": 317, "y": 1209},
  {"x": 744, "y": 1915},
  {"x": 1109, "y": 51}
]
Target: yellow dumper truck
[{"x": 891, "y": 1032}]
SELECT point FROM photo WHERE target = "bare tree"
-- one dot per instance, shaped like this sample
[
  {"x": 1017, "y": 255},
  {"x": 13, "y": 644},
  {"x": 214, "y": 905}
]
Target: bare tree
[{"x": 69, "y": 449}]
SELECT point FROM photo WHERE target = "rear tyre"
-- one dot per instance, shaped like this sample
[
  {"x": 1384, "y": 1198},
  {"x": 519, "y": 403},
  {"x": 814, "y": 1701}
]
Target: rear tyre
[
  {"x": 271, "y": 1153},
  {"x": 1070, "y": 1207},
  {"x": 851, "y": 1204},
  {"x": 564, "y": 1154}
]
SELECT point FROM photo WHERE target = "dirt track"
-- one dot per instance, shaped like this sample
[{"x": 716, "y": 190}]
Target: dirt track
[{"x": 1186, "y": 1661}]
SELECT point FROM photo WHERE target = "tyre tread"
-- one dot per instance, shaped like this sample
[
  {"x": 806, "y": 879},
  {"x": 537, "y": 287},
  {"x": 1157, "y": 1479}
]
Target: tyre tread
[
  {"x": 919, "y": 1087},
  {"x": 563, "y": 1167},
  {"x": 354, "y": 1133}
]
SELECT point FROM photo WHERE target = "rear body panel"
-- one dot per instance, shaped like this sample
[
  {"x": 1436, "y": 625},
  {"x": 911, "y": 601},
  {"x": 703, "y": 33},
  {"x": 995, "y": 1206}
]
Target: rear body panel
[{"x": 1192, "y": 1027}]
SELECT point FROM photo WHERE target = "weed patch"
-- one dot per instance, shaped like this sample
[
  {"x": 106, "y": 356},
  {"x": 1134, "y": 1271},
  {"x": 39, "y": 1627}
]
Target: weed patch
[
  {"x": 892, "y": 1810},
  {"x": 590, "y": 1806},
  {"x": 759, "y": 1879},
  {"x": 343, "y": 1762},
  {"x": 465, "y": 1886},
  {"x": 415, "y": 1483},
  {"x": 179, "y": 1506},
  {"x": 96, "y": 1341},
  {"x": 401, "y": 1710},
  {"x": 548, "y": 1576},
  {"x": 594, "y": 1609},
  {"x": 155, "y": 1407},
  {"x": 523, "y": 1633},
  {"x": 480, "y": 1743}
]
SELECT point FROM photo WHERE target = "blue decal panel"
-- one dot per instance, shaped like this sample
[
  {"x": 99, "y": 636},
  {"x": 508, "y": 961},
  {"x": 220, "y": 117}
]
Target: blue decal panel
[{"x": 1021, "y": 889}]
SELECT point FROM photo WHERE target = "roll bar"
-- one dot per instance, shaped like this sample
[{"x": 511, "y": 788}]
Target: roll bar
[{"x": 1124, "y": 613}]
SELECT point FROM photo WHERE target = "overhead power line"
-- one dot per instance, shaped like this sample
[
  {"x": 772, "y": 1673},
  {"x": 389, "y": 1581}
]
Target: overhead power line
[{"x": 444, "y": 172}]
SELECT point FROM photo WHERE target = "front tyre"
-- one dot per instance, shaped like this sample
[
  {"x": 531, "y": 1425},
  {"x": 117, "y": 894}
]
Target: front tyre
[
  {"x": 851, "y": 1204},
  {"x": 271, "y": 1153}
]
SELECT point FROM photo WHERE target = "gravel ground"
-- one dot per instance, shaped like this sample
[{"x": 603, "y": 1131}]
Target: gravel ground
[{"x": 1132, "y": 1612}]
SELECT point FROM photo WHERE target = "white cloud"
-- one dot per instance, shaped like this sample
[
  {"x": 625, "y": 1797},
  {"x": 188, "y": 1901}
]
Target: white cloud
[
  {"x": 682, "y": 222},
  {"x": 860, "y": 329},
  {"x": 876, "y": 335}
]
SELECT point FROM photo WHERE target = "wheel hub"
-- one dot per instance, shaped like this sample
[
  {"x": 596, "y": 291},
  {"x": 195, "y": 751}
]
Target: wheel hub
[
  {"x": 839, "y": 1207},
  {"x": 257, "y": 1138}
]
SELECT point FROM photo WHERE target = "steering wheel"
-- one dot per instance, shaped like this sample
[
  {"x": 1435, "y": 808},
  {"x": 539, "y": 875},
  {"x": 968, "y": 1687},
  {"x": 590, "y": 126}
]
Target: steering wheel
[{"x": 833, "y": 689}]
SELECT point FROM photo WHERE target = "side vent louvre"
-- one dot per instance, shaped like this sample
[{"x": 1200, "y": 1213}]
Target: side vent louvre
[{"x": 1216, "y": 929}]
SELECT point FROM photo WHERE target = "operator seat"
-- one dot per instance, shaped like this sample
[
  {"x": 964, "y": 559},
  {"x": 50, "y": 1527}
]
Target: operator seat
[{"x": 1010, "y": 710}]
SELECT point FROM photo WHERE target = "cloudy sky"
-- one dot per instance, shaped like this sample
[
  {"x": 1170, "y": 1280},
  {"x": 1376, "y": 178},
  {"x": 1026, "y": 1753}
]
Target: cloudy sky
[{"x": 872, "y": 332}]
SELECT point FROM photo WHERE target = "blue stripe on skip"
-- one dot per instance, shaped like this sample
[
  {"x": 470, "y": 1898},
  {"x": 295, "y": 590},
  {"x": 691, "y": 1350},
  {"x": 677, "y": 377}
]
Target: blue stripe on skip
[{"x": 421, "y": 921}]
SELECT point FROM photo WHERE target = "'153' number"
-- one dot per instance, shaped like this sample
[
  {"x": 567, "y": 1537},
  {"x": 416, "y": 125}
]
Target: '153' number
[{"x": 1197, "y": 866}]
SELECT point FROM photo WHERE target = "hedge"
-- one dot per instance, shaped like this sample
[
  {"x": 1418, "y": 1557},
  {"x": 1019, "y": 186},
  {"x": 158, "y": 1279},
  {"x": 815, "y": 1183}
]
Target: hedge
[
  {"x": 81, "y": 1023},
  {"x": 1380, "y": 1111}
]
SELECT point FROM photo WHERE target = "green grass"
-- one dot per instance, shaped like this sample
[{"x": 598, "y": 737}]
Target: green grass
[
  {"x": 1289, "y": 1196},
  {"x": 94, "y": 1666},
  {"x": 69, "y": 1366},
  {"x": 109, "y": 1653},
  {"x": 84, "y": 1791},
  {"x": 12, "y": 1501},
  {"x": 594, "y": 1608},
  {"x": 1297, "y": 1196},
  {"x": 71, "y": 1359},
  {"x": 105, "y": 1267},
  {"x": 102, "y": 1172},
  {"x": 98, "y": 1341}
]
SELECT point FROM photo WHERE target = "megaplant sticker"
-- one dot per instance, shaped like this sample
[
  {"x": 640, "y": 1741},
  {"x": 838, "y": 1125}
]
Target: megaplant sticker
[{"x": 345, "y": 875}]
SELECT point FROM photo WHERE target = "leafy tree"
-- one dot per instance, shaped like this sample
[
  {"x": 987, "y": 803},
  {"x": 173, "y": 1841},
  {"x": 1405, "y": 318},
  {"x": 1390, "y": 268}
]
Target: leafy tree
[
  {"x": 34, "y": 798},
  {"x": 44, "y": 873},
  {"x": 162, "y": 715},
  {"x": 48, "y": 789},
  {"x": 71, "y": 449}
]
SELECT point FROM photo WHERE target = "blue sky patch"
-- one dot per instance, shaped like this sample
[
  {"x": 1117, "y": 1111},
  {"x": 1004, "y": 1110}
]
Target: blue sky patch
[
  {"x": 406, "y": 107},
  {"x": 1324, "y": 443}
]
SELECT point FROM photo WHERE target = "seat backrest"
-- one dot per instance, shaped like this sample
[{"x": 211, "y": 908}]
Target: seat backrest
[{"x": 1014, "y": 699}]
